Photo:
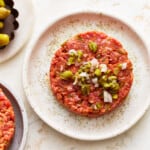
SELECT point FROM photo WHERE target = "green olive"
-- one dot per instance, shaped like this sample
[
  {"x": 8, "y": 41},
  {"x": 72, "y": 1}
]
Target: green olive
[
  {"x": 2, "y": 3},
  {"x": 93, "y": 46},
  {"x": 4, "y": 39},
  {"x": 66, "y": 75},
  {"x": 97, "y": 72},
  {"x": 1, "y": 24},
  {"x": 4, "y": 12}
]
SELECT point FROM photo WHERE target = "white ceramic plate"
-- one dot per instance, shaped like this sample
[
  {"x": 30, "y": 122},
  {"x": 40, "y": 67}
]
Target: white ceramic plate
[
  {"x": 36, "y": 81},
  {"x": 23, "y": 33},
  {"x": 19, "y": 139}
]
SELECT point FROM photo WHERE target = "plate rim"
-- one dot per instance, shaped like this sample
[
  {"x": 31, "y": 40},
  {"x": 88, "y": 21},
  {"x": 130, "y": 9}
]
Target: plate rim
[
  {"x": 43, "y": 31},
  {"x": 23, "y": 112}
]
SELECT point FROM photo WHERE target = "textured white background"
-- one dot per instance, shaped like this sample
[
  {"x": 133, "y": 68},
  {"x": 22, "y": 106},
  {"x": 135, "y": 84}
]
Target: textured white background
[{"x": 42, "y": 137}]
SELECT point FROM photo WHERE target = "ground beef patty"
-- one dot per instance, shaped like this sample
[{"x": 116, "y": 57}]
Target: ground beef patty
[
  {"x": 7, "y": 121},
  {"x": 91, "y": 74}
]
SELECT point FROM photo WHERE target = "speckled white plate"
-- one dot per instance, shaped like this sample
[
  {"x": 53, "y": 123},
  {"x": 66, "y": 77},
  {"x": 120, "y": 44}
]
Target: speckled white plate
[
  {"x": 36, "y": 80},
  {"x": 23, "y": 33},
  {"x": 21, "y": 123}
]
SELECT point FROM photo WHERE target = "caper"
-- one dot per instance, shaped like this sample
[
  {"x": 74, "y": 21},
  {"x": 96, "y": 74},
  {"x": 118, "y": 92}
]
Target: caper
[
  {"x": 4, "y": 39},
  {"x": 66, "y": 75},
  {"x": 93, "y": 46},
  {"x": 2, "y": 3},
  {"x": 4, "y": 12},
  {"x": 1, "y": 24},
  {"x": 97, "y": 72}
]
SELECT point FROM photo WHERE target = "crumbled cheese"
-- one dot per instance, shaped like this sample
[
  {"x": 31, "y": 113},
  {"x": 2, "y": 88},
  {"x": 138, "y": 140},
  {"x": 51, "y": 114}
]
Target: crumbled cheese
[
  {"x": 123, "y": 66},
  {"x": 72, "y": 51},
  {"x": 84, "y": 74},
  {"x": 107, "y": 97},
  {"x": 103, "y": 67}
]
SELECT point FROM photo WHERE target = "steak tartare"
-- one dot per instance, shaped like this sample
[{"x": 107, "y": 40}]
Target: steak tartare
[
  {"x": 91, "y": 74},
  {"x": 7, "y": 121}
]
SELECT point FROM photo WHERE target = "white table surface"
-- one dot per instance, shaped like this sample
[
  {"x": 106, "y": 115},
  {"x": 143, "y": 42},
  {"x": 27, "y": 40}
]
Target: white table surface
[{"x": 42, "y": 137}]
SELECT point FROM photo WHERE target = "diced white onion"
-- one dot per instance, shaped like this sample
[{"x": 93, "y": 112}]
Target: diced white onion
[
  {"x": 107, "y": 97},
  {"x": 72, "y": 51},
  {"x": 94, "y": 80},
  {"x": 123, "y": 66},
  {"x": 103, "y": 67},
  {"x": 84, "y": 74},
  {"x": 94, "y": 62}
]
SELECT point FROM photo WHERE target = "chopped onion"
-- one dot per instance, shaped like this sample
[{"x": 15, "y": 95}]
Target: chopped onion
[
  {"x": 107, "y": 97},
  {"x": 84, "y": 74}
]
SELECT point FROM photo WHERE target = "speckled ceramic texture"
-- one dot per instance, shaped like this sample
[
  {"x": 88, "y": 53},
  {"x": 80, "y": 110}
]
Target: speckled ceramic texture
[
  {"x": 36, "y": 77},
  {"x": 23, "y": 33},
  {"x": 21, "y": 124}
]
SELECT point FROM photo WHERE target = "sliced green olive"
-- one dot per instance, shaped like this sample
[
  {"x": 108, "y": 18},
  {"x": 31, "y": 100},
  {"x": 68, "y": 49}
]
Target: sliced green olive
[
  {"x": 97, "y": 72},
  {"x": 4, "y": 12},
  {"x": 93, "y": 46},
  {"x": 4, "y": 39},
  {"x": 104, "y": 78},
  {"x": 71, "y": 60},
  {"x": 85, "y": 89},
  {"x": 66, "y": 75},
  {"x": 106, "y": 85},
  {"x": 79, "y": 55},
  {"x": 114, "y": 86},
  {"x": 111, "y": 78}
]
